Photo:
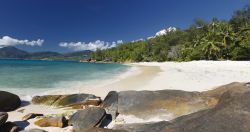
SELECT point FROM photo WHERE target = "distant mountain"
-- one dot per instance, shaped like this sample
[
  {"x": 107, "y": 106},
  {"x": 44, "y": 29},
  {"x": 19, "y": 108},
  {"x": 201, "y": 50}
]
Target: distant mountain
[
  {"x": 43, "y": 55},
  {"x": 13, "y": 52},
  {"x": 79, "y": 53}
]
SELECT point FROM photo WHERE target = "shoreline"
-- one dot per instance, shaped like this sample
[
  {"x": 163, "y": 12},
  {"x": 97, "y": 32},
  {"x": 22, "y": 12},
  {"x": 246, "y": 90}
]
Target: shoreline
[
  {"x": 126, "y": 81},
  {"x": 151, "y": 76},
  {"x": 75, "y": 86},
  {"x": 133, "y": 79},
  {"x": 100, "y": 88},
  {"x": 187, "y": 76}
]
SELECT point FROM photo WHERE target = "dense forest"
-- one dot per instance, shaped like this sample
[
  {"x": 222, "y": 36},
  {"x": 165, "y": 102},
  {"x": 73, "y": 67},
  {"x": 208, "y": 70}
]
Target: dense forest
[{"x": 214, "y": 40}]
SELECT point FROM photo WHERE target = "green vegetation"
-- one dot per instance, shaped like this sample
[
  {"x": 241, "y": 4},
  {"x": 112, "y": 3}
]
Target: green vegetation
[{"x": 215, "y": 40}]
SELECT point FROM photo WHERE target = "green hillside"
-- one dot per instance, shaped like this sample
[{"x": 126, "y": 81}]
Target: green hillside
[{"x": 214, "y": 40}]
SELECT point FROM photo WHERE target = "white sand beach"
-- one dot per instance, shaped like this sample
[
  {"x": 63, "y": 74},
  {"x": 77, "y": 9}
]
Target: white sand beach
[
  {"x": 197, "y": 75},
  {"x": 187, "y": 76}
]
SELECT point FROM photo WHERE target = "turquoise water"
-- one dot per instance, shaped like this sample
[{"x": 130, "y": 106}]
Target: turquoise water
[{"x": 25, "y": 77}]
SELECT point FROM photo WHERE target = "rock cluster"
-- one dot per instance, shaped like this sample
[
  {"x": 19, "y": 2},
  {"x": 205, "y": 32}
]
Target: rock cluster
[
  {"x": 9, "y": 101},
  {"x": 226, "y": 108},
  {"x": 7, "y": 126},
  {"x": 231, "y": 113}
]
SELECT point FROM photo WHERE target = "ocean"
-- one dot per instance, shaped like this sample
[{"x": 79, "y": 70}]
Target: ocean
[{"x": 36, "y": 77}]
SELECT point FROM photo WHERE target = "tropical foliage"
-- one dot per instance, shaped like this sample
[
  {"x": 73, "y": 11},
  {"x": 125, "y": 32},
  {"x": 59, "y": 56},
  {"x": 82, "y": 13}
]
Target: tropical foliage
[{"x": 214, "y": 40}]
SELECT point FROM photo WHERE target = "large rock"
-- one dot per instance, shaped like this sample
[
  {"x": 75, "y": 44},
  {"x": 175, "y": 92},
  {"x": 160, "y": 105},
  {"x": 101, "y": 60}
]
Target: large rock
[
  {"x": 10, "y": 127},
  {"x": 66, "y": 100},
  {"x": 30, "y": 116},
  {"x": 171, "y": 103},
  {"x": 217, "y": 92},
  {"x": 46, "y": 99},
  {"x": 143, "y": 127},
  {"x": 110, "y": 104},
  {"x": 9, "y": 101},
  {"x": 85, "y": 119},
  {"x": 52, "y": 122},
  {"x": 34, "y": 130},
  {"x": 96, "y": 129},
  {"x": 3, "y": 117},
  {"x": 231, "y": 114}
]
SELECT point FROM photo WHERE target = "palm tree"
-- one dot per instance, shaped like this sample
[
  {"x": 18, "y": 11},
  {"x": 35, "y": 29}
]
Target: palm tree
[
  {"x": 211, "y": 49},
  {"x": 211, "y": 44},
  {"x": 228, "y": 38}
]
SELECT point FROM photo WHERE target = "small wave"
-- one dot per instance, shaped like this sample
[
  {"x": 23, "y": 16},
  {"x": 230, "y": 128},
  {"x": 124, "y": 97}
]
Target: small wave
[
  {"x": 27, "y": 98},
  {"x": 73, "y": 87}
]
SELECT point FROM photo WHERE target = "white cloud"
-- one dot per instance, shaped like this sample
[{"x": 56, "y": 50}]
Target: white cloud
[
  {"x": 138, "y": 40},
  {"x": 9, "y": 41},
  {"x": 119, "y": 42},
  {"x": 98, "y": 44},
  {"x": 150, "y": 37},
  {"x": 159, "y": 33},
  {"x": 163, "y": 32}
]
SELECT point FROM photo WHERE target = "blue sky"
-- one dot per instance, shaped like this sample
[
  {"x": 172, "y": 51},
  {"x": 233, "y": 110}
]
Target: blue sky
[{"x": 56, "y": 21}]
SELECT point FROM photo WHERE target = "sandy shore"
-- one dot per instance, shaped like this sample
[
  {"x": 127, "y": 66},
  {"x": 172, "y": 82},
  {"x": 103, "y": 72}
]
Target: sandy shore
[
  {"x": 188, "y": 76},
  {"x": 197, "y": 75}
]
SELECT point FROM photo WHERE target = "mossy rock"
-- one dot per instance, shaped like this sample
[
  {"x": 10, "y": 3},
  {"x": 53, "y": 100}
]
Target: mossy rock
[{"x": 66, "y": 100}]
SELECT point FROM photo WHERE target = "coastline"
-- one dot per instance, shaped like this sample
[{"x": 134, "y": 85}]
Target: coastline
[
  {"x": 187, "y": 76},
  {"x": 135, "y": 78},
  {"x": 76, "y": 85},
  {"x": 100, "y": 88},
  {"x": 151, "y": 76}
]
